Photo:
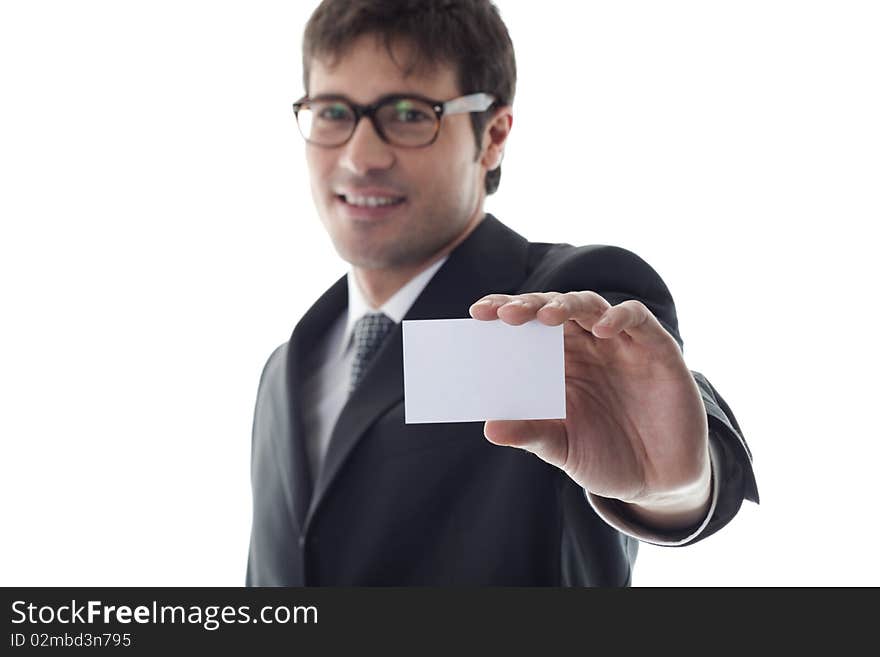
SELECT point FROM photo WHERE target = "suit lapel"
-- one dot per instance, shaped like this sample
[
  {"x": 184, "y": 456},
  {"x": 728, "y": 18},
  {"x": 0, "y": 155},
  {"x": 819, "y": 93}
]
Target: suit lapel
[
  {"x": 493, "y": 258},
  {"x": 301, "y": 363}
]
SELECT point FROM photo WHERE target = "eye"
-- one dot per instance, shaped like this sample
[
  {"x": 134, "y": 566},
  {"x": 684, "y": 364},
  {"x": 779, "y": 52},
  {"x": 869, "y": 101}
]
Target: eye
[
  {"x": 333, "y": 112},
  {"x": 406, "y": 111}
]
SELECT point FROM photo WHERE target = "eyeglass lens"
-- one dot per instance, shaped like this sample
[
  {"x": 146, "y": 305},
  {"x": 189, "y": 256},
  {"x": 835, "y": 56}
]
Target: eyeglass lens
[{"x": 404, "y": 121}]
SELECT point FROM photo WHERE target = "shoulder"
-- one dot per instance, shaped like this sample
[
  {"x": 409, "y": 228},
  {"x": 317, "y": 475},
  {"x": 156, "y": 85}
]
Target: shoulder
[
  {"x": 275, "y": 365},
  {"x": 611, "y": 271},
  {"x": 599, "y": 267}
]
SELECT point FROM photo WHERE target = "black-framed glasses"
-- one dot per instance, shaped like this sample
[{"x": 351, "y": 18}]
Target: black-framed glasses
[{"x": 400, "y": 120}]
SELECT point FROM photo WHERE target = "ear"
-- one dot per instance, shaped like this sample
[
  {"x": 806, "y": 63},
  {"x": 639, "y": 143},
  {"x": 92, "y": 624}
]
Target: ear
[{"x": 494, "y": 137}]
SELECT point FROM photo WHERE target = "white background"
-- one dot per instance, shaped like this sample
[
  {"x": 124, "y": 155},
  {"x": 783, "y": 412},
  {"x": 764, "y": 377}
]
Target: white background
[{"x": 159, "y": 240}]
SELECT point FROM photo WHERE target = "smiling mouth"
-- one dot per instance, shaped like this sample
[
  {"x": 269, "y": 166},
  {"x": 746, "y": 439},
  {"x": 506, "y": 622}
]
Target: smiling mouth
[{"x": 370, "y": 201}]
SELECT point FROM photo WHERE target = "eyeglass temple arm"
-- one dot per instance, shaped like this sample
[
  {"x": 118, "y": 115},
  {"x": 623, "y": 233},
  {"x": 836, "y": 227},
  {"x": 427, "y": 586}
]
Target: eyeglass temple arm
[{"x": 471, "y": 103}]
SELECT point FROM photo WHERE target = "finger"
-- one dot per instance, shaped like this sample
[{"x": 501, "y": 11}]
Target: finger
[
  {"x": 583, "y": 307},
  {"x": 522, "y": 308},
  {"x": 546, "y": 439},
  {"x": 510, "y": 308},
  {"x": 635, "y": 320},
  {"x": 486, "y": 308}
]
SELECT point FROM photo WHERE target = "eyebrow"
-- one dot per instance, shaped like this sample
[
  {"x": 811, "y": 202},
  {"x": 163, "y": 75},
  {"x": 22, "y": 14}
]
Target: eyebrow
[{"x": 391, "y": 94}]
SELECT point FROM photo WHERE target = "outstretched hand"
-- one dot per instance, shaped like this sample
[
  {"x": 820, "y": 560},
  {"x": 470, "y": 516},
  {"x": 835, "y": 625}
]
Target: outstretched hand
[{"x": 635, "y": 427}]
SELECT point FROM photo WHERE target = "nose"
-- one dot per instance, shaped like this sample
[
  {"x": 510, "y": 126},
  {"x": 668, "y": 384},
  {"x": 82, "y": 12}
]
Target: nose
[{"x": 366, "y": 151}]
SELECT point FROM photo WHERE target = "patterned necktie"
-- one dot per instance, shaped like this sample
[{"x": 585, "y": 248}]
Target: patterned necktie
[{"x": 369, "y": 333}]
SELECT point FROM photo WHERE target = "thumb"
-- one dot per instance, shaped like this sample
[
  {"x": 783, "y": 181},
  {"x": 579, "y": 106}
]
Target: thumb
[{"x": 546, "y": 439}]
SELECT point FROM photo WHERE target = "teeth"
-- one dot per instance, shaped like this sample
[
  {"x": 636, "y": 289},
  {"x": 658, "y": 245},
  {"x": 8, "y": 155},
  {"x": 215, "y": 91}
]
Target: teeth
[{"x": 371, "y": 201}]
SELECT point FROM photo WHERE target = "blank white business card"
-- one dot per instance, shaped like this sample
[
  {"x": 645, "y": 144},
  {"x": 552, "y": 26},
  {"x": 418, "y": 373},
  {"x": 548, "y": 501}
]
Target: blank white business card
[{"x": 467, "y": 370}]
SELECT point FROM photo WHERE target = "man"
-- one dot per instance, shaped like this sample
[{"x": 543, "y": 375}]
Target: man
[{"x": 406, "y": 115}]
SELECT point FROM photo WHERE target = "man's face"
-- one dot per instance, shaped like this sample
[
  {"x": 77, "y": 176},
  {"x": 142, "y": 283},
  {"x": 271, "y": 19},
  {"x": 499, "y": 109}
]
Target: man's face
[{"x": 437, "y": 189}]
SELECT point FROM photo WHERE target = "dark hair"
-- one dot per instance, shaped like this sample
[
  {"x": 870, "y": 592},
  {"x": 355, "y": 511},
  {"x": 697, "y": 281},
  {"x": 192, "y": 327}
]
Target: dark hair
[{"x": 469, "y": 35}]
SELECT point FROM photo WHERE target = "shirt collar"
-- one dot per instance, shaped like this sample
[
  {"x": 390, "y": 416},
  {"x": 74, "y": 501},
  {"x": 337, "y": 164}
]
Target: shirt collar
[{"x": 395, "y": 308}]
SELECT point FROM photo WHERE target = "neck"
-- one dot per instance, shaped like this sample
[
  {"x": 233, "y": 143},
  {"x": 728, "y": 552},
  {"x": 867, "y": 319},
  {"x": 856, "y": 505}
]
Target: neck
[{"x": 379, "y": 285}]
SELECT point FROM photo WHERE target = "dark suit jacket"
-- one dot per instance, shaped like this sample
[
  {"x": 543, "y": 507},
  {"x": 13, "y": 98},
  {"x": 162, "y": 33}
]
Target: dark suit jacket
[{"x": 437, "y": 504}]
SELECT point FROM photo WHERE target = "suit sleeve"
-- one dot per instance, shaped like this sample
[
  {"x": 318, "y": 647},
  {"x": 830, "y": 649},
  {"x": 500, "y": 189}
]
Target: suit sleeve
[{"x": 618, "y": 275}]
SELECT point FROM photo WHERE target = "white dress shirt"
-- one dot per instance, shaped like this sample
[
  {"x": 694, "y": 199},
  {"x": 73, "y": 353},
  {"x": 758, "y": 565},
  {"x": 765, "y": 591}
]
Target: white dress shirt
[{"x": 326, "y": 391}]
